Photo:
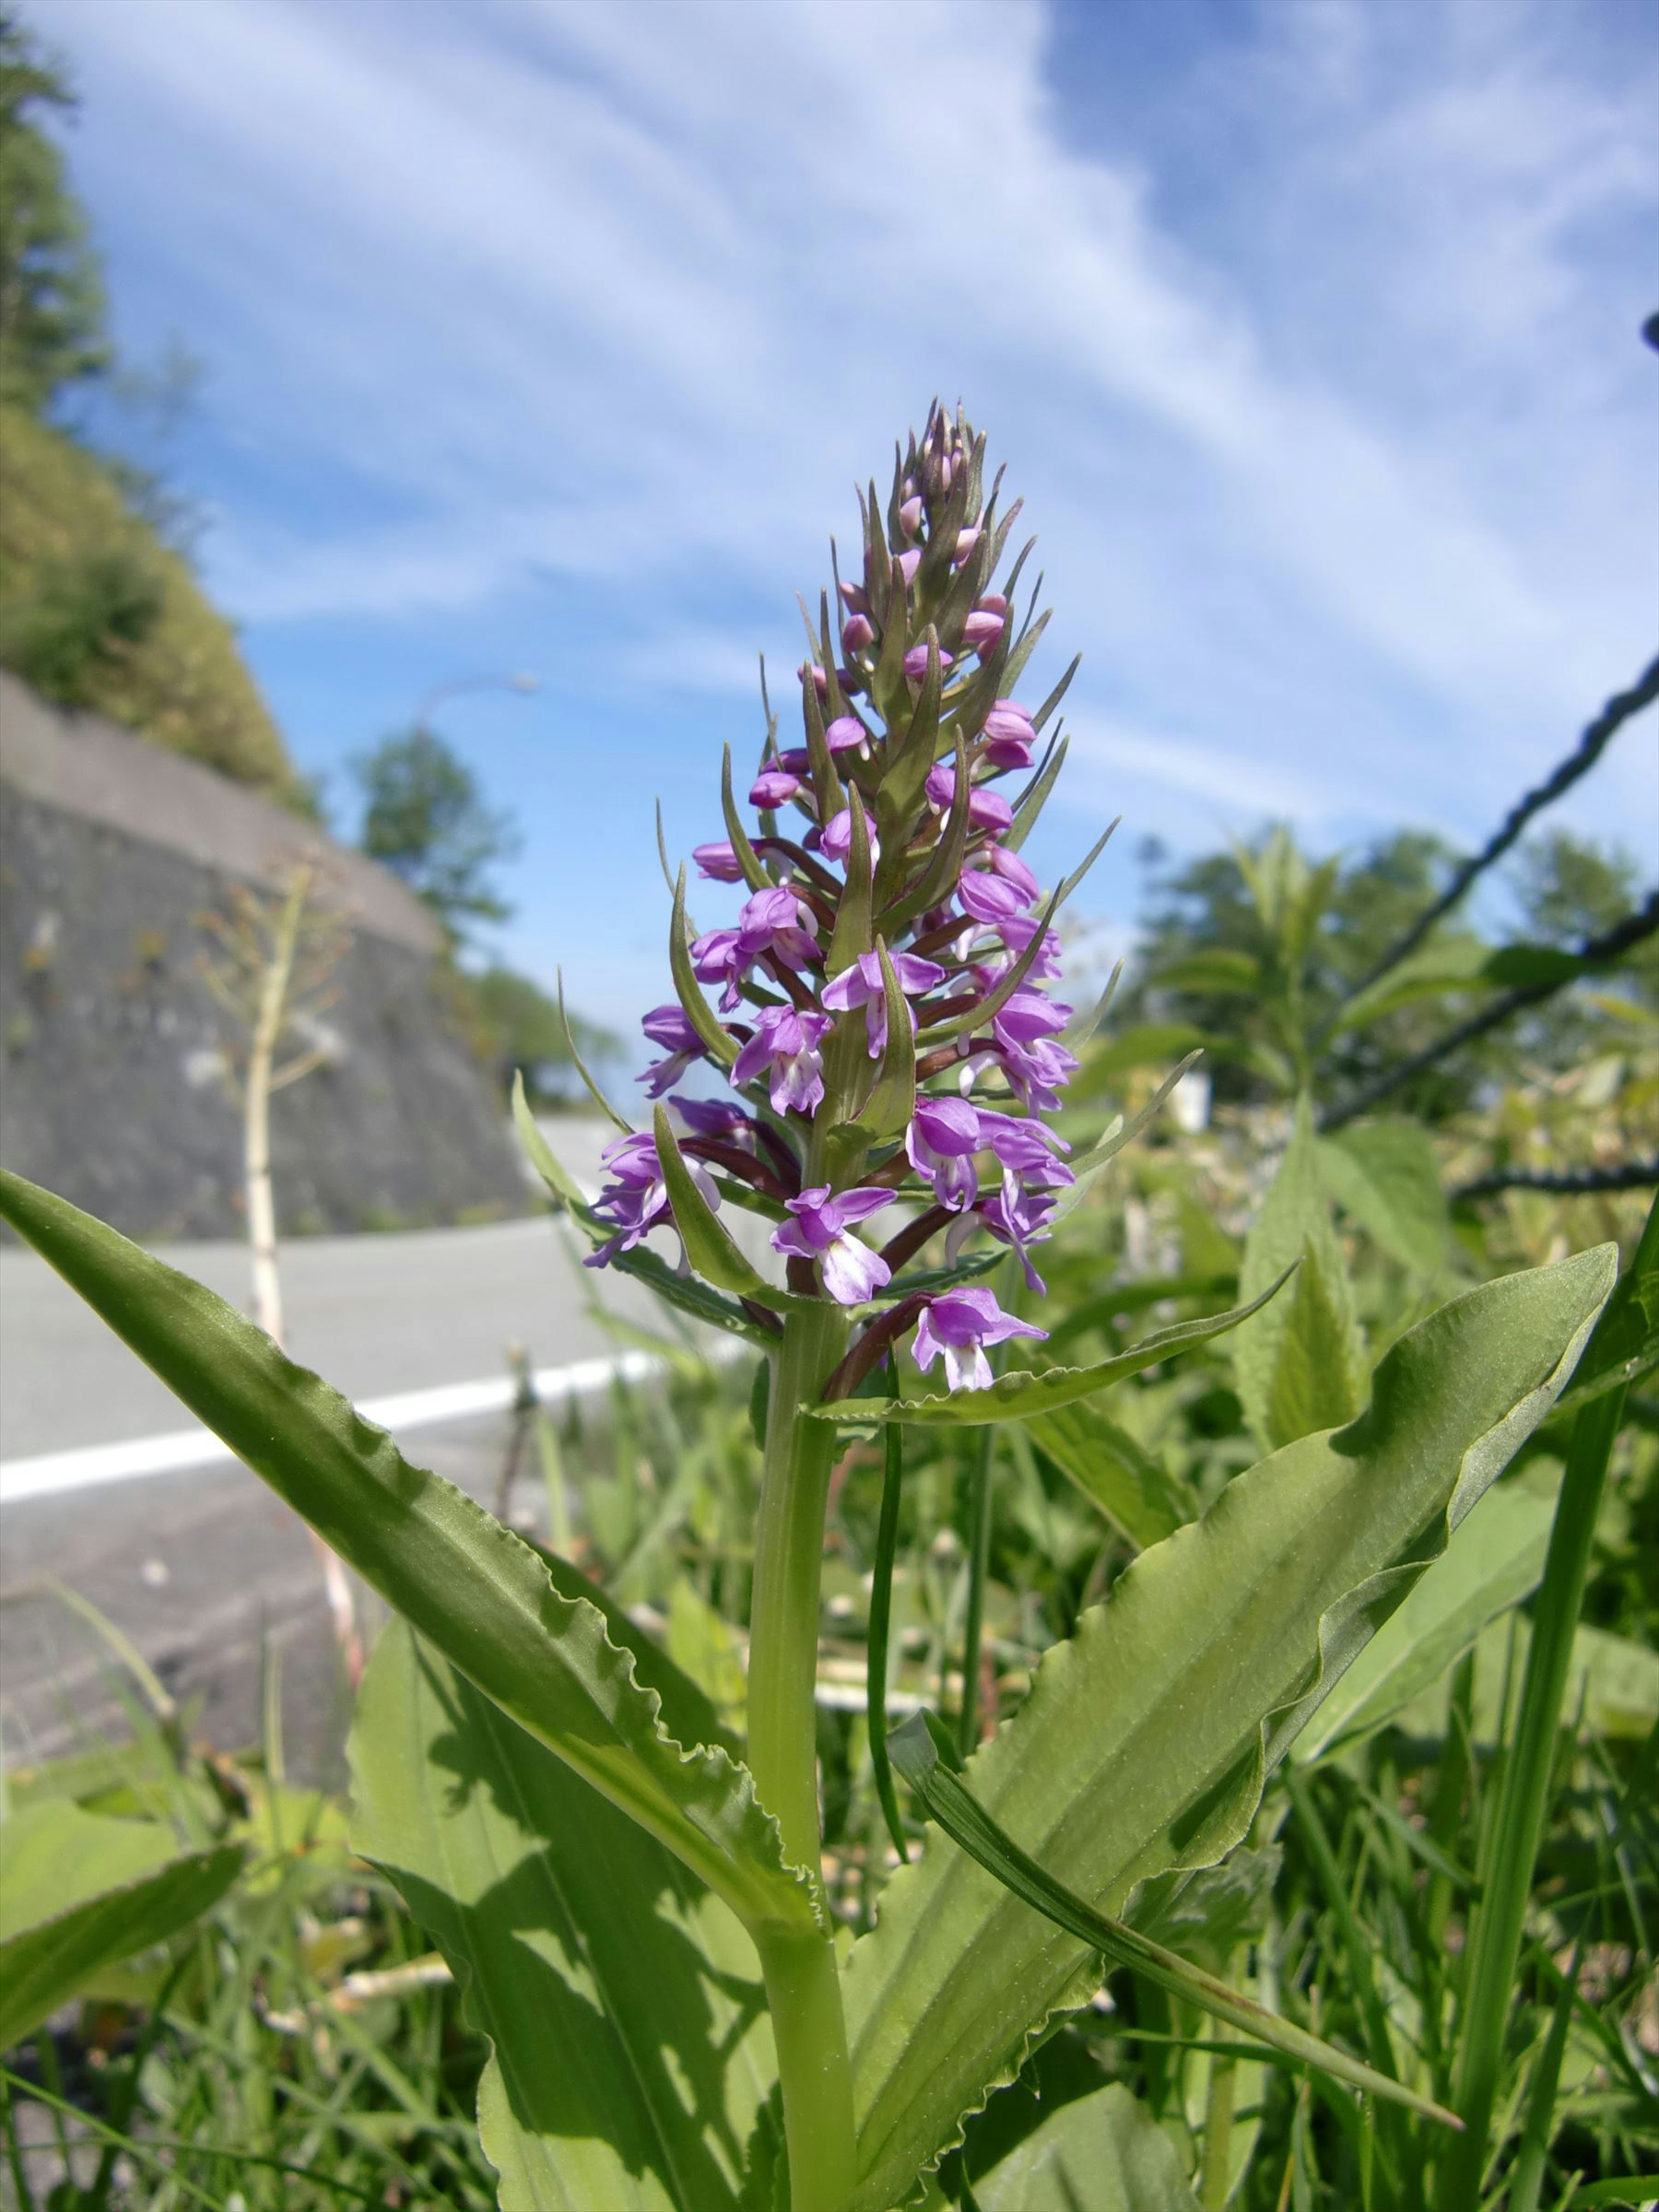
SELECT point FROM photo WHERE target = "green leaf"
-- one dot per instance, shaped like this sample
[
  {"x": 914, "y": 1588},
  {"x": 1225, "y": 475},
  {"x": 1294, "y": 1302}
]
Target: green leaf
[
  {"x": 915, "y": 1753},
  {"x": 853, "y": 928},
  {"x": 1313, "y": 1335},
  {"x": 1494, "y": 1560},
  {"x": 1123, "y": 1298},
  {"x": 1130, "y": 1487},
  {"x": 78, "y": 1893},
  {"x": 690, "y": 1296},
  {"x": 749, "y": 860},
  {"x": 688, "y": 990},
  {"x": 1457, "y": 964},
  {"x": 1104, "y": 2152},
  {"x": 1313, "y": 1387},
  {"x": 1146, "y": 1739},
  {"x": 1625, "y": 1344},
  {"x": 1386, "y": 1179},
  {"x": 892, "y": 1098},
  {"x": 708, "y": 1244},
  {"x": 539, "y": 1153},
  {"x": 1017, "y": 1397},
  {"x": 1032, "y": 800},
  {"x": 1123, "y": 1132},
  {"x": 631, "y": 2047},
  {"x": 469, "y": 1584}
]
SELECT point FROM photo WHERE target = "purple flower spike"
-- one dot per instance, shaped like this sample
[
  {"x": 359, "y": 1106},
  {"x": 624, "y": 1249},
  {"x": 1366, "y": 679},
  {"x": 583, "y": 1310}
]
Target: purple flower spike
[
  {"x": 785, "y": 1046},
  {"x": 856, "y": 632},
  {"x": 940, "y": 1144},
  {"x": 846, "y": 734},
  {"x": 670, "y": 1027},
  {"x": 915, "y": 661},
  {"x": 836, "y": 841},
  {"x": 861, "y": 985},
  {"x": 820, "y": 1231},
  {"x": 772, "y": 788},
  {"x": 718, "y": 863},
  {"x": 960, "y": 1324}
]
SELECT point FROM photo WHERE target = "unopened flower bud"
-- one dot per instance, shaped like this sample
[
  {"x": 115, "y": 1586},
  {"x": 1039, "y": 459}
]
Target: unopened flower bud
[
  {"x": 909, "y": 514},
  {"x": 811, "y": 672},
  {"x": 717, "y": 862},
  {"x": 846, "y": 734},
  {"x": 981, "y": 630},
  {"x": 856, "y": 632},
  {"x": 966, "y": 541},
  {"x": 773, "y": 787},
  {"x": 857, "y": 599},
  {"x": 908, "y": 564},
  {"x": 915, "y": 661}
]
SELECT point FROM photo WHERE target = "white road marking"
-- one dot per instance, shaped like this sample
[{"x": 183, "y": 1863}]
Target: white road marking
[{"x": 49, "y": 1474}]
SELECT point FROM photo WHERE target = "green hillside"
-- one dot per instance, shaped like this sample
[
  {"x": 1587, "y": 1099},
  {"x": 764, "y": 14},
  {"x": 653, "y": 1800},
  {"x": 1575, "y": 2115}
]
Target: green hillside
[{"x": 96, "y": 609}]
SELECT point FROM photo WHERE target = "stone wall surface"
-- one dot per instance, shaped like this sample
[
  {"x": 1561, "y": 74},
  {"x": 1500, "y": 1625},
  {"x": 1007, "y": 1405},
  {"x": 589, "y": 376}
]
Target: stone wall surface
[{"x": 114, "y": 1051}]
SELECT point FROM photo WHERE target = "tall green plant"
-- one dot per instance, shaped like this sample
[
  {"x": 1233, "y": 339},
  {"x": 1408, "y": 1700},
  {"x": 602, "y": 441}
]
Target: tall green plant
[{"x": 635, "y": 1899}]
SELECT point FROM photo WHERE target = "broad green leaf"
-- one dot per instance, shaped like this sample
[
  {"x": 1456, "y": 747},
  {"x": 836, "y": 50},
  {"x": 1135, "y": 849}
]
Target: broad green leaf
[
  {"x": 1103, "y": 2153},
  {"x": 1146, "y": 1739},
  {"x": 631, "y": 2050},
  {"x": 470, "y": 1585},
  {"x": 1612, "y": 1681},
  {"x": 1320, "y": 1384},
  {"x": 1312, "y": 1385},
  {"x": 1113, "y": 1472},
  {"x": 1386, "y": 1179},
  {"x": 78, "y": 1893},
  {"x": 916, "y": 1755},
  {"x": 1017, "y": 1397},
  {"x": 708, "y": 1244},
  {"x": 1493, "y": 1560}
]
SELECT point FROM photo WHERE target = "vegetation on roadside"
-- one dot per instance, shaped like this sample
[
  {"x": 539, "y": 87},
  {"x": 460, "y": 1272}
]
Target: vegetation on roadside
[{"x": 99, "y": 606}]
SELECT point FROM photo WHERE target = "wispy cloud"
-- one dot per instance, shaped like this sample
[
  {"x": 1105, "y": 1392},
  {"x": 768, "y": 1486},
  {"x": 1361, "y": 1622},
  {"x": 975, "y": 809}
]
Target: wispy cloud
[{"x": 1318, "y": 368}]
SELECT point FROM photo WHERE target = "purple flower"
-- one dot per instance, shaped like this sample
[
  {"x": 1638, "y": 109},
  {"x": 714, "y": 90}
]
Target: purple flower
[
  {"x": 785, "y": 1046},
  {"x": 718, "y": 863},
  {"x": 857, "y": 599},
  {"x": 989, "y": 898},
  {"x": 820, "y": 1231},
  {"x": 966, "y": 541},
  {"x": 1009, "y": 735},
  {"x": 1020, "y": 1218},
  {"x": 1017, "y": 931},
  {"x": 714, "y": 959},
  {"x": 940, "y": 1144},
  {"x": 1024, "y": 1148},
  {"x": 981, "y": 630},
  {"x": 836, "y": 841},
  {"x": 714, "y": 1117},
  {"x": 915, "y": 661},
  {"x": 669, "y": 1026},
  {"x": 1027, "y": 1015},
  {"x": 960, "y": 1324},
  {"x": 861, "y": 986},
  {"x": 775, "y": 921},
  {"x": 773, "y": 787},
  {"x": 856, "y": 632},
  {"x": 809, "y": 672},
  {"x": 845, "y": 733},
  {"x": 986, "y": 810},
  {"x": 909, "y": 515},
  {"x": 907, "y": 563},
  {"x": 637, "y": 1200}
]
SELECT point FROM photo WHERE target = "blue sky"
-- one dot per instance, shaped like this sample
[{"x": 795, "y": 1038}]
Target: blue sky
[{"x": 553, "y": 337}]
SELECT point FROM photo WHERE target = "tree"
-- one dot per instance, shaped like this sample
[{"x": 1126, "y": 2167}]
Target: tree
[
  {"x": 424, "y": 818},
  {"x": 521, "y": 1030},
  {"x": 52, "y": 309}
]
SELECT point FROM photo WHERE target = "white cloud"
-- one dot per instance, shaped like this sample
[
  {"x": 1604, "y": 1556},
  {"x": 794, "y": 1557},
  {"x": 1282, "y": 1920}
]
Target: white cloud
[{"x": 629, "y": 292}]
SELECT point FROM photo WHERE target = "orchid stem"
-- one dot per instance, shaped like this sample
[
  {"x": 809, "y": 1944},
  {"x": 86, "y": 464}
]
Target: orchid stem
[{"x": 803, "y": 1991}]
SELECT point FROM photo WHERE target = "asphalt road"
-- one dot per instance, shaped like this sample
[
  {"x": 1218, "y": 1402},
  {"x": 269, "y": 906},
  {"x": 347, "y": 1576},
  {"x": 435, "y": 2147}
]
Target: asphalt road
[{"x": 201, "y": 1566}]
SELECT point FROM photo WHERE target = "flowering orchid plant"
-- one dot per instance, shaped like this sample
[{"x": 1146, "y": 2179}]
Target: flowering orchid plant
[{"x": 862, "y": 1062}]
